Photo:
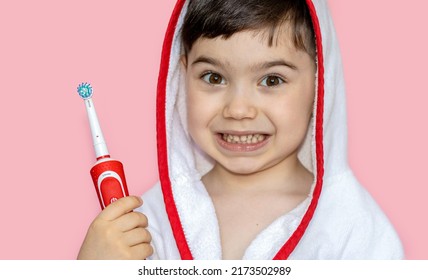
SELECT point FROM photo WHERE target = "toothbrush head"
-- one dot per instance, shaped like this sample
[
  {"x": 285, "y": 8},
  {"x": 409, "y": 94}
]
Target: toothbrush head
[{"x": 85, "y": 90}]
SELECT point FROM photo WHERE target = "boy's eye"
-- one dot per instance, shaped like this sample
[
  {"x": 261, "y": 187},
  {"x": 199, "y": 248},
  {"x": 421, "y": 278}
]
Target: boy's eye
[
  {"x": 213, "y": 78},
  {"x": 271, "y": 81}
]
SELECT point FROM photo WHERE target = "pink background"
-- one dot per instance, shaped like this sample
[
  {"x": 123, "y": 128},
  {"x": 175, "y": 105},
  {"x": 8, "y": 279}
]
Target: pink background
[{"x": 48, "y": 47}]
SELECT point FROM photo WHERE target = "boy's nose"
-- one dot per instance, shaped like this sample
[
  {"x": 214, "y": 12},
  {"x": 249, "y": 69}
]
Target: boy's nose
[{"x": 239, "y": 106}]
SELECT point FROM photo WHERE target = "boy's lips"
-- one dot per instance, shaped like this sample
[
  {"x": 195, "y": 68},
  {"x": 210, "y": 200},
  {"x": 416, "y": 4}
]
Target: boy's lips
[{"x": 242, "y": 141}]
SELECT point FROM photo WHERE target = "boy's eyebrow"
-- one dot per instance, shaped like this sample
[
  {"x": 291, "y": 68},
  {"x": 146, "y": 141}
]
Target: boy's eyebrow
[
  {"x": 264, "y": 65},
  {"x": 269, "y": 64},
  {"x": 209, "y": 60}
]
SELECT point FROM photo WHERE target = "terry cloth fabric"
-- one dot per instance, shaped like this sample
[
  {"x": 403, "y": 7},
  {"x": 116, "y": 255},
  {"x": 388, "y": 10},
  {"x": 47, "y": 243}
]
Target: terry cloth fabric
[{"x": 338, "y": 220}]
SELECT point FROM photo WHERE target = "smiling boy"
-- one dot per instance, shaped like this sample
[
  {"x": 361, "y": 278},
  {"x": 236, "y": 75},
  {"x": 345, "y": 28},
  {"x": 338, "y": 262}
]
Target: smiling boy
[
  {"x": 249, "y": 106},
  {"x": 251, "y": 145}
]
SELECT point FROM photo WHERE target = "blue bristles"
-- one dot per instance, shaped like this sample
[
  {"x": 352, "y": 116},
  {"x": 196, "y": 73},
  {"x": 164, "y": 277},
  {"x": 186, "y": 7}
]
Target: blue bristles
[{"x": 84, "y": 90}]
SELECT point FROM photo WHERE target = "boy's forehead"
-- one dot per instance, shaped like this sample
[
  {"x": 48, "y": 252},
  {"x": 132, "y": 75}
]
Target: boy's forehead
[
  {"x": 247, "y": 46},
  {"x": 281, "y": 35}
]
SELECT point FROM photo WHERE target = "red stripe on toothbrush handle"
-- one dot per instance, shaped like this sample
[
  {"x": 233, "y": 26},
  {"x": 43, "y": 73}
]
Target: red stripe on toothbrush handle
[{"x": 101, "y": 157}]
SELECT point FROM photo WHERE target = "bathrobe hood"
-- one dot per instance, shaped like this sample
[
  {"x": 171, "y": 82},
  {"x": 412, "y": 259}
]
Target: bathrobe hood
[{"x": 188, "y": 207}]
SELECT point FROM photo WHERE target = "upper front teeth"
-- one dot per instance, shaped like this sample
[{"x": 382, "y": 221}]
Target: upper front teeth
[{"x": 243, "y": 139}]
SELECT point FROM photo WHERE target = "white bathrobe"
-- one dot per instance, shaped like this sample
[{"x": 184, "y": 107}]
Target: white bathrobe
[{"x": 338, "y": 220}]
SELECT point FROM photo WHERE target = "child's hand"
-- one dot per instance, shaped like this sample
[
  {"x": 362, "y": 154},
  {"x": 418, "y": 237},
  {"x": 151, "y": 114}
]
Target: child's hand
[{"x": 116, "y": 233}]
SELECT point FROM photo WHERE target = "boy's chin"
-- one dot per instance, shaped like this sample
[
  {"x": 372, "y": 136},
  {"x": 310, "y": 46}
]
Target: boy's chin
[{"x": 241, "y": 168}]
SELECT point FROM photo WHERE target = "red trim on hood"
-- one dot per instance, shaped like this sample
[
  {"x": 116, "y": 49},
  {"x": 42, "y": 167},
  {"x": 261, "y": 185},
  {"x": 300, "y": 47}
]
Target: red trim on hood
[
  {"x": 170, "y": 206},
  {"x": 292, "y": 242}
]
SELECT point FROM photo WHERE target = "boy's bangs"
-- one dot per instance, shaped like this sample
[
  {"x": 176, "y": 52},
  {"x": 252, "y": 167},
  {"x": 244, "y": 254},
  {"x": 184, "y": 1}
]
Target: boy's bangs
[{"x": 230, "y": 17}]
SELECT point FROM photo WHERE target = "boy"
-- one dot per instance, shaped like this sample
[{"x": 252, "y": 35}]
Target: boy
[{"x": 251, "y": 145}]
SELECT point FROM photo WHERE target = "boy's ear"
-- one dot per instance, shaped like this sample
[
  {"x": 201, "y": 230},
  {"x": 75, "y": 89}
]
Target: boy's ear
[{"x": 183, "y": 60}]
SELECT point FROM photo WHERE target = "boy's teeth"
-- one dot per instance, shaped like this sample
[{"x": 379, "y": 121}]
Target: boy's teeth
[{"x": 243, "y": 139}]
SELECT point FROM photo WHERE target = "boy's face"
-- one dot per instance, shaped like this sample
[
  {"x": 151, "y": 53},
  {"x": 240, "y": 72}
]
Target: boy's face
[{"x": 249, "y": 105}]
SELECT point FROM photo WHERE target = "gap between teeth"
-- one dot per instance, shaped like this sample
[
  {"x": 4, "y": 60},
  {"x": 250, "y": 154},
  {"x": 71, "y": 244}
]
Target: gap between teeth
[{"x": 244, "y": 139}]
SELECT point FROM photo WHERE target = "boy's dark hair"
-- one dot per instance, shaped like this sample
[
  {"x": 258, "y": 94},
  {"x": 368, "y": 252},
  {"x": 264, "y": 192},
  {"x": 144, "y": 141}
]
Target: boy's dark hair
[{"x": 213, "y": 18}]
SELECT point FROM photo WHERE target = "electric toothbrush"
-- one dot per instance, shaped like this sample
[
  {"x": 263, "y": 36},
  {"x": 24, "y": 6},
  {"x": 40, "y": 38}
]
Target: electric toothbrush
[{"x": 107, "y": 174}]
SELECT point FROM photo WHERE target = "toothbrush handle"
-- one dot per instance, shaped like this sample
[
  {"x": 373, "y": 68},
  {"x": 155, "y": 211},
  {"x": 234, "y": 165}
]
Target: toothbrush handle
[{"x": 109, "y": 181}]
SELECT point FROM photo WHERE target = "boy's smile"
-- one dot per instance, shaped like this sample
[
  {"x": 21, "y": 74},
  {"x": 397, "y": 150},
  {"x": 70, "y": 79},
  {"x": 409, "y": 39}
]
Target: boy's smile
[
  {"x": 242, "y": 141},
  {"x": 249, "y": 104}
]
